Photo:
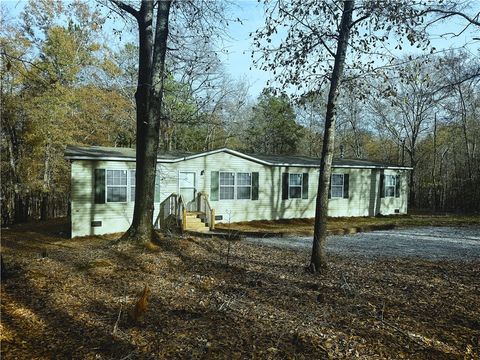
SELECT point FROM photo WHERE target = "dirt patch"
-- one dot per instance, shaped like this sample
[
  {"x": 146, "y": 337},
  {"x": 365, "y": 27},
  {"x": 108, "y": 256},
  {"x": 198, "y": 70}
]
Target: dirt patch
[{"x": 262, "y": 305}]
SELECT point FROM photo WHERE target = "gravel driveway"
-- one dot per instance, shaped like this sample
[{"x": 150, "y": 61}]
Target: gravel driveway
[{"x": 461, "y": 243}]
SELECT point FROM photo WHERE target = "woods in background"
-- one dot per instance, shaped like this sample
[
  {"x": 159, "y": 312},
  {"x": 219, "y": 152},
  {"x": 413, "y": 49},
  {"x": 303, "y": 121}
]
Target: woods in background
[
  {"x": 64, "y": 82},
  {"x": 56, "y": 88}
]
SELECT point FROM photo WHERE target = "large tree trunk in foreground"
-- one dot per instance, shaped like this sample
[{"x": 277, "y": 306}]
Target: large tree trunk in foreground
[
  {"x": 319, "y": 259},
  {"x": 149, "y": 96}
]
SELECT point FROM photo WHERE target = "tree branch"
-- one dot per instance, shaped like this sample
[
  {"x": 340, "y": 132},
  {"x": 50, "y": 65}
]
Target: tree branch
[
  {"x": 360, "y": 19},
  {"x": 126, "y": 7},
  {"x": 314, "y": 31},
  {"x": 449, "y": 13}
]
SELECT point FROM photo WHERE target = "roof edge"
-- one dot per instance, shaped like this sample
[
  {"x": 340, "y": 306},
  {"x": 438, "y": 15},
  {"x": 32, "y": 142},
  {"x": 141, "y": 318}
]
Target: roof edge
[{"x": 235, "y": 153}]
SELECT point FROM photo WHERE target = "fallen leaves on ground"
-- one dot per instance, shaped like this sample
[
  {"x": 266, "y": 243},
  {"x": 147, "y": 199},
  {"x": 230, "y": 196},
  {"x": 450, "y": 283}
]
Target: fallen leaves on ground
[{"x": 65, "y": 298}]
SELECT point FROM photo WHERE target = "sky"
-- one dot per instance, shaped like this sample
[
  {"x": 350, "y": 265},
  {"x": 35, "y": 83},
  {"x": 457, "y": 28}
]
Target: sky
[{"x": 238, "y": 61}]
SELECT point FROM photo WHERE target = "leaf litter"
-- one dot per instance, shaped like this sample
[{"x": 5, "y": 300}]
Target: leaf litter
[{"x": 65, "y": 298}]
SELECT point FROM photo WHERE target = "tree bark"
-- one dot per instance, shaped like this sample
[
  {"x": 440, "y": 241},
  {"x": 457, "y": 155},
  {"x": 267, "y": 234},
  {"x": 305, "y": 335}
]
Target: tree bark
[
  {"x": 148, "y": 97},
  {"x": 318, "y": 258},
  {"x": 434, "y": 165}
]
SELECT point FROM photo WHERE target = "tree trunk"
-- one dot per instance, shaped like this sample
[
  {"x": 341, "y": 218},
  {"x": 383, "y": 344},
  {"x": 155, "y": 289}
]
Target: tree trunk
[
  {"x": 434, "y": 165},
  {"x": 44, "y": 207},
  {"x": 412, "y": 185},
  {"x": 318, "y": 258},
  {"x": 18, "y": 208},
  {"x": 152, "y": 51}
]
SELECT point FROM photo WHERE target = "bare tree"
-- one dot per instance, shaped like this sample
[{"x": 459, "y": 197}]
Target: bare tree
[
  {"x": 153, "y": 35},
  {"x": 404, "y": 106},
  {"x": 313, "y": 52},
  {"x": 193, "y": 21}
]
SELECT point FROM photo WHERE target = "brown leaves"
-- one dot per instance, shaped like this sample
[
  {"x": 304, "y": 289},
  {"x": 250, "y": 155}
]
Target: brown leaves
[
  {"x": 263, "y": 305},
  {"x": 137, "y": 314}
]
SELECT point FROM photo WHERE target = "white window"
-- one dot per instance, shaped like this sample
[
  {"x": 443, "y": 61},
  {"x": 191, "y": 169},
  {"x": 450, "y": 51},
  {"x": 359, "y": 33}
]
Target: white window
[
  {"x": 227, "y": 186},
  {"x": 116, "y": 185},
  {"x": 295, "y": 186},
  {"x": 337, "y": 186},
  {"x": 390, "y": 184},
  {"x": 244, "y": 185}
]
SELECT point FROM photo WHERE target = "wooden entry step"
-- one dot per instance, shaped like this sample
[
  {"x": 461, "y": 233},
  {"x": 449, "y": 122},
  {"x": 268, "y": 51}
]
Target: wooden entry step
[{"x": 195, "y": 221}]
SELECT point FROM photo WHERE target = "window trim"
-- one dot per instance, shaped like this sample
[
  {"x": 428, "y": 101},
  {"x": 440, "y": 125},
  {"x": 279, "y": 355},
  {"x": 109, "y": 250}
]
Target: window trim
[
  {"x": 243, "y": 186},
  {"x": 126, "y": 186},
  {"x": 337, "y": 186},
  {"x": 225, "y": 186},
  {"x": 296, "y": 186},
  {"x": 394, "y": 177}
]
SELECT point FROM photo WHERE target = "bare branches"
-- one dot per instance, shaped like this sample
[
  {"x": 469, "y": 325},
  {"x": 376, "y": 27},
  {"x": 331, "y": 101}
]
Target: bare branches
[
  {"x": 475, "y": 20},
  {"x": 311, "y": 28},
  {"x": 465, "y": 78},
  {"x": 125, "y": 7}
]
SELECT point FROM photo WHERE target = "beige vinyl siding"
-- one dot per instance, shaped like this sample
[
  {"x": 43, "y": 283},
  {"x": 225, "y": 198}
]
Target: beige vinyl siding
[
  {"x": 364, "y": 193},
  {"x": 358, "y": 200},
  {"x": 269, "y": 204},
  {"x": 115, "y": 217},
  {"x": 388, "y": 205}
]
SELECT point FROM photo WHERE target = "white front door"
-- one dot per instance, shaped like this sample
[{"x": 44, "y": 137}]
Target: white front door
[{"x": 186, "y": 184}]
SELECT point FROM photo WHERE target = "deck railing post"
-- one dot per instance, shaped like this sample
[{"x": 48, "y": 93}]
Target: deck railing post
[
  {"x": 212, "y": 219},
  {"x": 184, "y": 219}
]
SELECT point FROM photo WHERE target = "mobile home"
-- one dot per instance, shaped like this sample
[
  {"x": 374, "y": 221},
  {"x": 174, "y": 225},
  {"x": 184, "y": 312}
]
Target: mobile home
[{"x": 225, "y": 185}]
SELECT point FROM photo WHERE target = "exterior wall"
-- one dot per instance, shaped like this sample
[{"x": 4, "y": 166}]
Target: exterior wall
[
  {"x": 394, "y": 205},
  {"x": 358, "y": 202},
  {"x": 115, "y": 217},
  {"x": 269, "y": 204},
  {"x": 364, "y": 195}
]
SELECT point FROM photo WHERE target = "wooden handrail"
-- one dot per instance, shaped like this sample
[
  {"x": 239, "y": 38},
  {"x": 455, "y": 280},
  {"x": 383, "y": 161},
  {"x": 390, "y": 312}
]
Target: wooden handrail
[
  {"x": 206, "y": 208},
  {"x": 182, "y": 211},
  {"x": 175, "y": 205}
]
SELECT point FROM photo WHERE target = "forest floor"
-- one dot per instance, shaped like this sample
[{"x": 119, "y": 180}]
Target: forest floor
[
  {"x": 348, "y": 225},
  {"x": 212, "y": 298}
]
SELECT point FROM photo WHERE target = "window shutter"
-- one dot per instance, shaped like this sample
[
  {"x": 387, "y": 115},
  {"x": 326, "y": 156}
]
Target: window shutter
[
  {"x": 382, "y": 185},
  {"x": 99, "y": 186},
  {"x": 397, "y": 186},
  {"x": 284, "y": 186},
  {"x": 330, "y": 188},
  {"x": 305, "y": 186},
  {"x": 214, "y": 185},
  {"x": 254, "y": 185},
  {"x": 346, "y": 185}
]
